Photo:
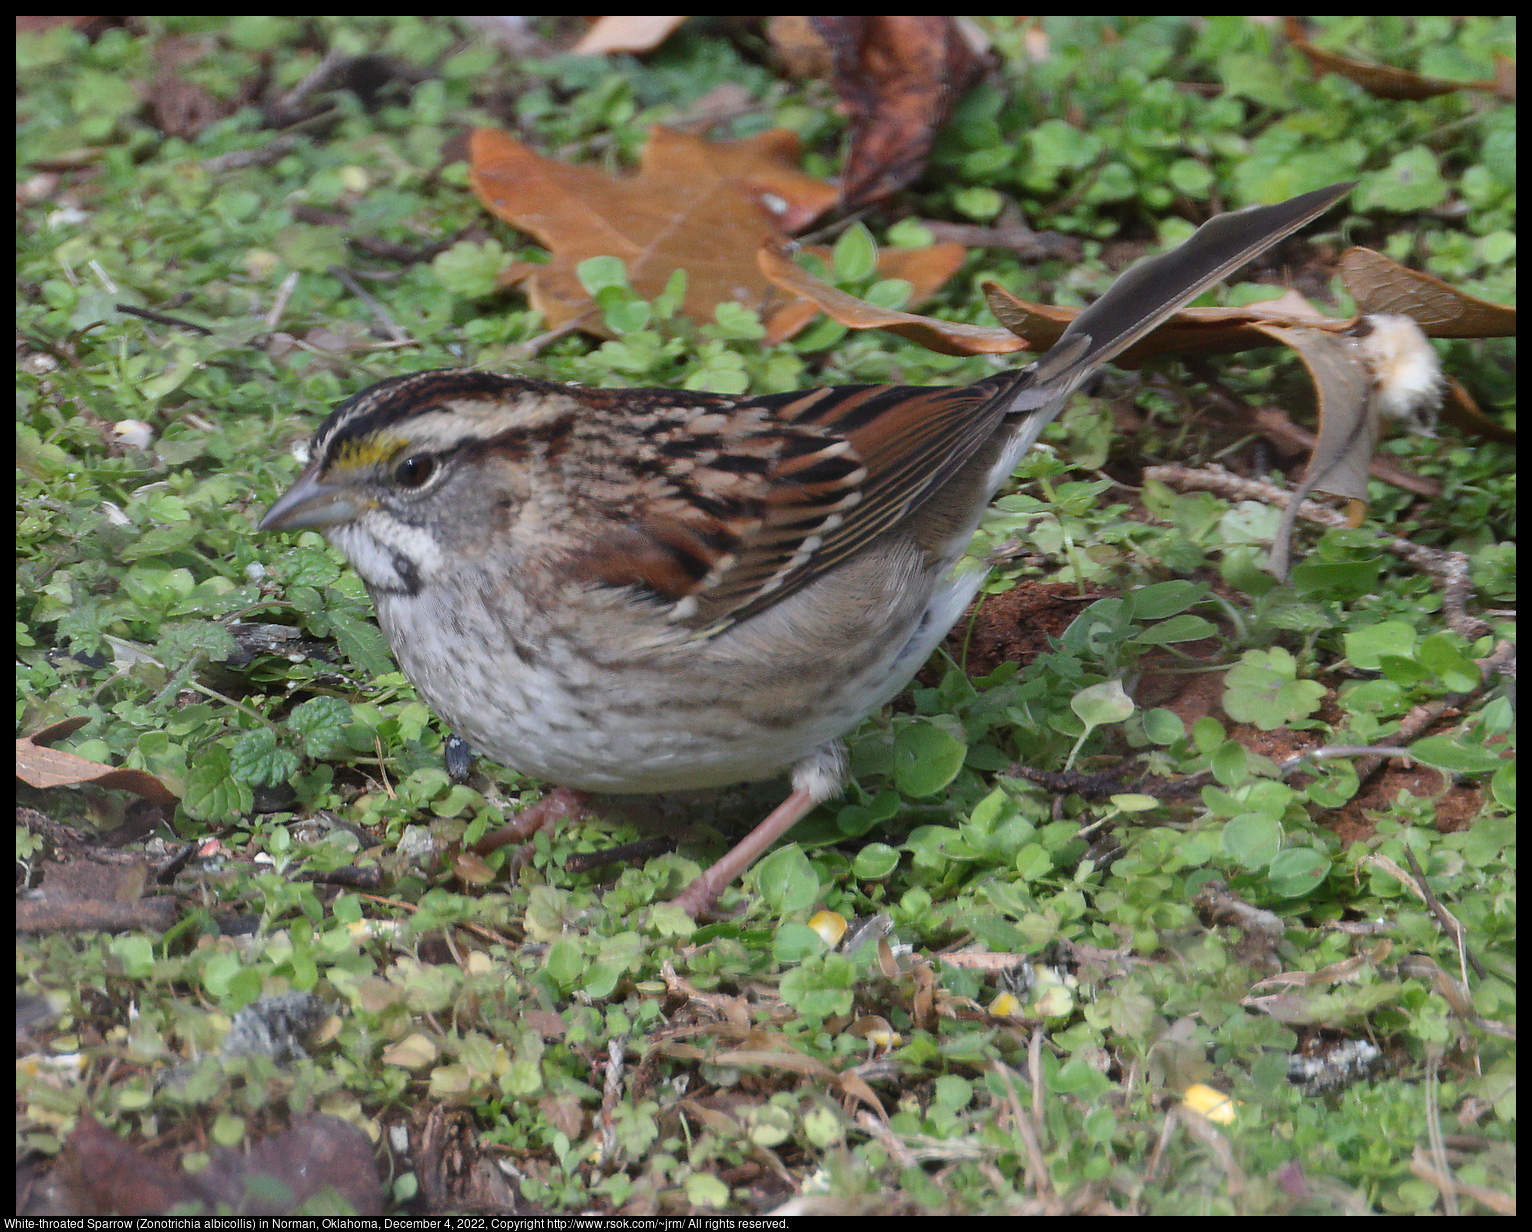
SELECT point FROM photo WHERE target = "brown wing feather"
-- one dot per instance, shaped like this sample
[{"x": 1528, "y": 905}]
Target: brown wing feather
[
  {"x": 909, "y": 441},
  {"x": 721, "y": 537},
  {"x": 726, "y": 506}
]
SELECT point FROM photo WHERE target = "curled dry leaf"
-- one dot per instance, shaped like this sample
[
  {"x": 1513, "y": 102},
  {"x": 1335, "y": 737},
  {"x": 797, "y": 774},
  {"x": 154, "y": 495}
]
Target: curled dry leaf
[
  {"x": 898, "y": 79},
  {"x": 1385, "y": 367},
  {"x": 1274, "y": 424},
  {"x": 625, "y": 32},
  {"x": 948, "y": 337},
  {"x": 1381, "y": 80},
  {"x": 1348, "y": 423},
  {"x": 1379, "y": 284},
  {"x": 42, "y": 767},
  {"x": 695, "y": 205},
  {"x": 1192, "y": 331}
]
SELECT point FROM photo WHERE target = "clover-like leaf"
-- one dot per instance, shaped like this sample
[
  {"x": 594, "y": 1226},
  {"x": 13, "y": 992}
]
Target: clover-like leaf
[{"x": 1264, "y": 689}]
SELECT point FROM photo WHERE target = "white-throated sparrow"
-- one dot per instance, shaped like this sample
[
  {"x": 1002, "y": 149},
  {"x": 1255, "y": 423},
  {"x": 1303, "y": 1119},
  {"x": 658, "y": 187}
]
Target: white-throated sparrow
[{"x": 643, "y": 590}]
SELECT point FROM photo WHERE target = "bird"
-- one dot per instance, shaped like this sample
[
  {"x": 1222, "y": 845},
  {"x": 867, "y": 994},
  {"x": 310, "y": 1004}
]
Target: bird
[{"x": 654, "y": 590}]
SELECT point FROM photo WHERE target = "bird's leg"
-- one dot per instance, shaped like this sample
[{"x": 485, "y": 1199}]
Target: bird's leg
[
  {"x": 704, "y": 891},
  {"x": 560, "y": 804},
  {"x": 816, "y": 778}
]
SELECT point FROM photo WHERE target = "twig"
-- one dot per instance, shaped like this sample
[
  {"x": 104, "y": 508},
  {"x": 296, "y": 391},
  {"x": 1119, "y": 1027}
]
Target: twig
[
  {"x": 1452, "y": 568},
  {"x": 1445, "y": 918},
  {"x": 1026, "y": 1130},
  {"x": 285, "y": 109},
  {"x": 379, "y": 313},
  {"x": 279, "y": 304},
  {"x": 160, "y": 318}
]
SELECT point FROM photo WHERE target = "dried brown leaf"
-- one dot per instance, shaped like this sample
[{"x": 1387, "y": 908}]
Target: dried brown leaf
[
  {"x": 948, "y": 337},
  {"x": 694, "y": 205},
  {"x": 1380, "y": 80},
  {"x": 1348, "y": 426},
  {"x": 1461, "y": 411},
  {"x": 898, "y": 78},
  {"x": 1380, "y": 284},
  {"x": 1192, "y": 331},
  {"x": 1274, "y": 425},
  {"x": 42, "y": 767},
  {"x": 799, "y": 47},
  {"x": 625, "y": 32}
]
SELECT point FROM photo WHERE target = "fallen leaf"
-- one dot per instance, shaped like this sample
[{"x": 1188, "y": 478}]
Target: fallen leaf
[
  {"x": 625, "y": 33},
  {"x": 1384, "y": 366},
  {"x": 1348, "y": 422},
  {"x": 1274, "y": 425},
  {"x": 1382, "y": 80},
  {"x": 1380, "y": 284},
  {"x": 694, "y": 205},
  {"x": 1461, "y": 411},
  {"x": 1192, "y": 331},
  {"x": 898, "y": 78},
  {"x": 948, "y": 337},
  {"x": 799, "y": 47},
  {"x": 41, "y": 767}
]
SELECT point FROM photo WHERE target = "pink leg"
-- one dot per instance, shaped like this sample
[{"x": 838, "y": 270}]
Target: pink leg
[
  {"x": 702, "y": 893},
  {"x": 561, "y": 804}
]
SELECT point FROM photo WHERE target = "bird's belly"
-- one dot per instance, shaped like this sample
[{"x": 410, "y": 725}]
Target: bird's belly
[{"x": 672, "y": 722}]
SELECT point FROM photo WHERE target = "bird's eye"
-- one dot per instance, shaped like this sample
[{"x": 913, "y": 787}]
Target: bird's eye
[{"x": 415, "y": 470}]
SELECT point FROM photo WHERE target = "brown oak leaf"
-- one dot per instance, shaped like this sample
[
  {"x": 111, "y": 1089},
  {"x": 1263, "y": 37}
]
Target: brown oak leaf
[{"x": 695, "y": 205}]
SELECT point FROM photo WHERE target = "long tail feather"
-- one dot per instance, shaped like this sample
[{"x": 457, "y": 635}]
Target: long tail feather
[{"x": 1150, "y": 291}]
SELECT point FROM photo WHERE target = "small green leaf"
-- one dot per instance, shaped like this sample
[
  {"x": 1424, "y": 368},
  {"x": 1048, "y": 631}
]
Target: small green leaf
[
  {"x": 856, "y": 254},
  {"x": 321, "y": 722},
  {"x": 1456, "y": 755},
  {"x": 361, "y": 642},
  {"x": 854, "y": 820},
  {"x": 1347, "y": 579},
  {"x": 926, "y": 759},
  {"x": 795, "y": 941},
  {"x": 1102, "y": 703},
  {"x": 1297, "y": 871},
  {"x": 623, "y": 312},
  {"x": 1263, "y": 689},
  {"x": 1229, "y": 764},
  {"x": 875, "y": 862},
  {"x": 228, "y": 1130},
  {"x": 1503, "y": 785},
  {"x": 256, "y": 759},
  {"x": 598, "y": 273},
  {"x": 668, "y": 301},
  {"x": 1366, "y": 646},
  {"x": 738, "y": 321},
  {"x": 1184, "y": 628},
  {"x": 1163, "y": 726},
  {"x": 1207, "y": 734},
  {"x": 705, "y": 1189},
  {"x": 212, "y": 792},
  {"x": 1252, "y": 839},
  {"x": 1444, "y": 657},
  {"x": 787, "y": 881},
  {"x": 1164, "y": 599},
  {"x": 136, "y": 953},
  {"x": 470, "y": 270}
]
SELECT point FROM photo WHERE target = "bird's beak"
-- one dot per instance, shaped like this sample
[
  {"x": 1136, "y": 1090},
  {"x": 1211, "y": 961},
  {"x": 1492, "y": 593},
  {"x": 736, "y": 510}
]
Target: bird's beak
[{"x": 312, "y": 505}]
